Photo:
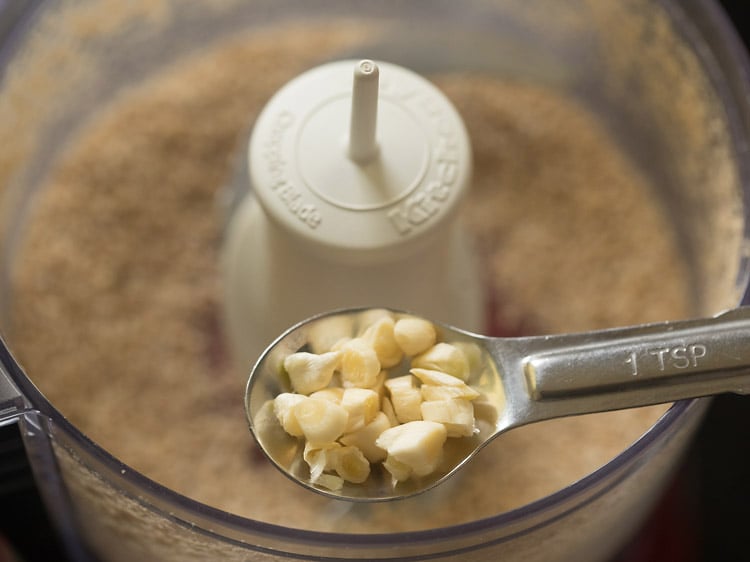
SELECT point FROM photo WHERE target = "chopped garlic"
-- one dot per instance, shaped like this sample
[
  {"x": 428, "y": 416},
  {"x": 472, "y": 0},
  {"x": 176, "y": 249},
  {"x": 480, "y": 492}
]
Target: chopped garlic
[
  {"x": 414, "y": 335},
  {"x": 309, "y": 372},
  {"x": 332, "y": 394},
  {"x": 379, "y": 385},
  {"x": 321, "y": 459},
  {"x": 330, "y": 481},
  {"x": 318, "y": 458},
  {"x": 359, "y": 364},
  {"x": 437, "y": 378},
  {"x": 283, "y": 406},
  {"x": 443, "y": 392},
  {"x": 316, "y": 455},
  {"x": 371, "y": 316},
  {"x": 399, "y": 471},
  {"x": 350, "y": 464},
  {"x": 456, "y": 414},
  {"x": 439, "y": 386},
  {"x": 340, "y": 343},
  {"x": 364, "y": 438},
  {"x": 405, "y": 397},
  {"x": 347, "y": 461},
  {"x": 387, "y": 408},
  {"x": 362, "y": 404},
  {"x": 416, "y": 444},
  {"x": 324, "y": 333},
  {"x": 353, "y": 409},
  {"x": 321, "y": 421},
  {"x": 473, "y": 354},
  {"x": 446, "y": 358},
  {"x": 380, "y": 337}
]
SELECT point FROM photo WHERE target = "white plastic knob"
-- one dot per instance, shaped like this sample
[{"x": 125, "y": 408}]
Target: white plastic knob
[
  {"x": 325, "y": 179},
  {"x": 363, "y": 143},
  {"x": 356, "y": 170}
]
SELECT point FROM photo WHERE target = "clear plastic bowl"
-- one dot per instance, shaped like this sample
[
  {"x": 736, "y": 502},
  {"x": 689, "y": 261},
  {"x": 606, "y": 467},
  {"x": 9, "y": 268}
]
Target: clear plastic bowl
[{"x": 636, "y": 64}]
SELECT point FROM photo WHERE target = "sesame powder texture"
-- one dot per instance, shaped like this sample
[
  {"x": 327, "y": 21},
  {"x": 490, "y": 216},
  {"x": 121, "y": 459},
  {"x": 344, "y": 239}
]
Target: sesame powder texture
[{"x": 116, "y": 289}]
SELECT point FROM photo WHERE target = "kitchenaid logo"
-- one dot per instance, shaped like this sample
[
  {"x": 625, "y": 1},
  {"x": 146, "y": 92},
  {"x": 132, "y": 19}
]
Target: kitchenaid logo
[
  {"x": 288, "y": 194},
  {"x": 427, "y": 200}
]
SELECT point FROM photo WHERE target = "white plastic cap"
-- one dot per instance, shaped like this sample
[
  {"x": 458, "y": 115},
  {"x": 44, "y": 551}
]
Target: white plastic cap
[{"x": 361, "y": 161}]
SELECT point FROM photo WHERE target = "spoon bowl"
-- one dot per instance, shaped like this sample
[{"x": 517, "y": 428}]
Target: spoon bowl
[{"x": 520, "y": 380}]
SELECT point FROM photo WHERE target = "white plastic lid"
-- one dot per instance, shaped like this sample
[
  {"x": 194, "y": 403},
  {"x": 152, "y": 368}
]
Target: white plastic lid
[{"x": 363, "y": 179}]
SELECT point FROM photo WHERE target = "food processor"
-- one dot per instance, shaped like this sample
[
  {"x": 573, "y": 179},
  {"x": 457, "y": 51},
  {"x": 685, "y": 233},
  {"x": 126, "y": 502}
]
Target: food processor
[{"x": 666, "y": 78}]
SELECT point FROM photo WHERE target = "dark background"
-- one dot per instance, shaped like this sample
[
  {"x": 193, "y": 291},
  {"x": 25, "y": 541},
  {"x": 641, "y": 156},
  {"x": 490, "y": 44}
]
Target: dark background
[
  {"x": 718, "y": 472},
  {"x": 712, "y": 491}
]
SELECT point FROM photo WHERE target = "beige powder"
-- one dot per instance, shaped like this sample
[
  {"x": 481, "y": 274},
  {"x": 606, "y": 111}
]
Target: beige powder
[{"x": 116, "y": 291}]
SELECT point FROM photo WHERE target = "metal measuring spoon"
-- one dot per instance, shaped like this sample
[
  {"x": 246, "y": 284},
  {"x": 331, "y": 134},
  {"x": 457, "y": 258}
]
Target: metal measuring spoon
[{"x": 522, "y": 381}]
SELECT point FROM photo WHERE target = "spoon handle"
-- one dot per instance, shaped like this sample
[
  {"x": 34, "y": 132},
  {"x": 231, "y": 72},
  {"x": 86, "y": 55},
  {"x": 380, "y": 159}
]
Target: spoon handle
[{"x": 640, "y": 365}]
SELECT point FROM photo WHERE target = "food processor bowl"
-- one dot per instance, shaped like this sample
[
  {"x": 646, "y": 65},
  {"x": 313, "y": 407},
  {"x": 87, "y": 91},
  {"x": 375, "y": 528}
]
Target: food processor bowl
[{"x": 669, "y": 80}]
